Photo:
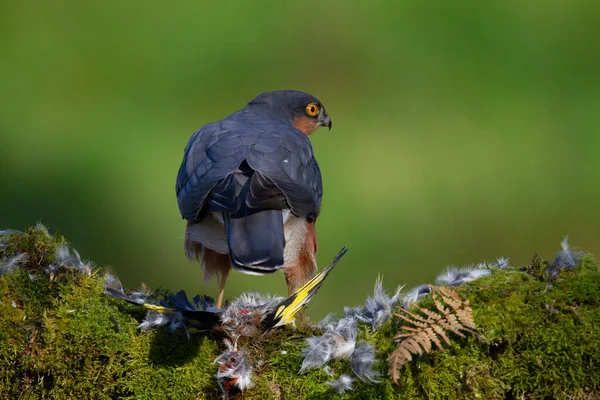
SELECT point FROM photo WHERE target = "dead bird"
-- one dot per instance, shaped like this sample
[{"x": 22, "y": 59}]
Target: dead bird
[{"x": 250, "y": 315}]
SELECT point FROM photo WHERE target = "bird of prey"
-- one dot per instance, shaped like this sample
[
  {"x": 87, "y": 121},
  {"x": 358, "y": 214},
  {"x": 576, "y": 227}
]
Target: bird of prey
[{"x": 250, "y": 189}]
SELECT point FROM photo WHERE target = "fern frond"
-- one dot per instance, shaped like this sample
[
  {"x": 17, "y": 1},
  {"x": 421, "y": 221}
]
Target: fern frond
[
  {"x": 439, "y": 305},
  {"x": 420, "y": 332},
  {"x": 430, "y": 334},
  {"x": 424, "y": 342},
  {"x": 416, "y": 320},
  {"x": 431, "y": 314},
  {"x": 441, "y": 333}
]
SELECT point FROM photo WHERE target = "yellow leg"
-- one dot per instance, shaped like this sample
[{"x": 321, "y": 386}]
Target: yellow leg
[{"x": 222, "y": 280}]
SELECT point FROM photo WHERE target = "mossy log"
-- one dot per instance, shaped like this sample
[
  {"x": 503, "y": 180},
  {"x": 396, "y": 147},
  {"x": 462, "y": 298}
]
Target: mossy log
[{"x": 61, "y": 337}]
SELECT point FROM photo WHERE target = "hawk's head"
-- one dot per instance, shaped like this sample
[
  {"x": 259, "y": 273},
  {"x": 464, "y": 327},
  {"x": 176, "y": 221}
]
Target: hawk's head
[{"x": 302, "y": 110}]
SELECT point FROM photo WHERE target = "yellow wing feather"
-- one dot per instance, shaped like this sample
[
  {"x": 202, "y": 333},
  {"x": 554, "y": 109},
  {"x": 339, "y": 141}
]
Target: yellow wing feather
[
  {"x": 159, "y": 308},
  {"x": 290, "y": 307}
]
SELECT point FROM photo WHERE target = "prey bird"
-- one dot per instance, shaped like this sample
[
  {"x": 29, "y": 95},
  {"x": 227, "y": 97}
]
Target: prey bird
[
  {"x": 250, "y": 189},
  {"x": 250, "y": 315}
]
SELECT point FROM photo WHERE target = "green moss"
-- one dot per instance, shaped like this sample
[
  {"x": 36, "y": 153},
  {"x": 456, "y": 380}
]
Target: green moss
[
  {"x": 60, "y": 337},
  {"x": 536, "y": 338}
]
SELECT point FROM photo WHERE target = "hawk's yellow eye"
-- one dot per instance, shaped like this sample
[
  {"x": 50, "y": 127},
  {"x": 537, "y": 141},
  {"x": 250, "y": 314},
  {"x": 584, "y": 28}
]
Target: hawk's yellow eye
[{"x": 312, "y": 109}]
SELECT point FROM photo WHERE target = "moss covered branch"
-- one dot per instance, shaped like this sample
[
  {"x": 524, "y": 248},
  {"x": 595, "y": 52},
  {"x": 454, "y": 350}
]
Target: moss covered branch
[{"x": 61, "y": 337}]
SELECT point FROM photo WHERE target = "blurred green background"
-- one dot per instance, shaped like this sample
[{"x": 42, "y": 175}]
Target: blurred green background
[{"x": 463, "y": 131}]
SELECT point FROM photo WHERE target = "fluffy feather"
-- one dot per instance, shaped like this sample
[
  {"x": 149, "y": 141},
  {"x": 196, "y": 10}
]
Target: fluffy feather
[
  {"x": 362, "y": 362},
  {"x": 254, "y": 299},
  {"x": 64, "y": 259},
  {"x": 155, "y": 319},
  {"x": 235, "y": 373},
  {"x": 455, "y": 277},
  {"x": 414, "y": 295},
  {"x": 378, "y": 307},
  {"x": 502, "y": 262},
  {"x": 114, "y": 288},
  {"x": 8, "y": 265},
  {"x": 318, "y": 353},
  {"x": 567, "y": 258},
  {"x": 342, "y": 384},
  {"x": 337, "y": 342},
  {"x": 42, "y": 228},
  {"x": 5, "y": 236}
]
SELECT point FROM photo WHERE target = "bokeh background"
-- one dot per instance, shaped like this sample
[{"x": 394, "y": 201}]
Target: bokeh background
[{"x": 463, "y": 131}]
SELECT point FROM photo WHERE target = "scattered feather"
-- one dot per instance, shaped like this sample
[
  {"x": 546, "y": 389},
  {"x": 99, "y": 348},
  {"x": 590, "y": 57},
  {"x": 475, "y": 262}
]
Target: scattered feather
[
  {"x": 344, "y": 334},
  {"x": 342, "y": 384},
  {"x": 318, "y": 352},
  {"x": 415, "y": 294},
  {"x": 253, "y": 299},
  {"x": 345, "y": 327},
  {"x": 64, "y": 256},
  {"x": 376, "y": 310},
  {"x": 114, "y": 288},
  {"x": 42, "y": 228},
  {"x": 337, "y": 342},
  {"x": 502, "y": 262},
  {"x": 455, "y": 277},
  {"x": 155, "y": 319},
  {"x": 349, "y": 312},
  {"x": 66, "y": 259},
  {"x": 235, "y": 373},
  {"x": 5, "y": 236},
  {"x": 111, "y": 281},
  {"x": 567, "y": 258},
  {"x": 12, "y": 263},
  {"x": 8, "y": 232},
  {"x": 452, "y": 277},
  {"x": 362, "y": 361},
  {"x": 378, "y": 307}
]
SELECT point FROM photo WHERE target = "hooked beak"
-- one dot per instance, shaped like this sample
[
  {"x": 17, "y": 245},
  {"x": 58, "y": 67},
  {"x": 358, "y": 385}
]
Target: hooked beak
[{"x": 324, "y": 119}]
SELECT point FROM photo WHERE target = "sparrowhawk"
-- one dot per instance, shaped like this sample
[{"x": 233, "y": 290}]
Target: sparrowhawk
[{"x": 250, "y": 189}]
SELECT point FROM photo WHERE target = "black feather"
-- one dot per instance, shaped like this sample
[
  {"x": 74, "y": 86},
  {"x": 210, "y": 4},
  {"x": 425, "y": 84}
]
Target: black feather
[
  {"x": 223, "y": 198},
  {"x": 256, "y": 242}
]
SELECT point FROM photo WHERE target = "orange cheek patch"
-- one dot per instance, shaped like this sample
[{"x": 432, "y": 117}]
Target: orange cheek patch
[{"x": 306, "y": 125}]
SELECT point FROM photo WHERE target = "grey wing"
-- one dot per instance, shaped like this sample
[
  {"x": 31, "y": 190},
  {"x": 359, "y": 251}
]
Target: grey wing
[
  {"x": 212, "y": 154},
  {"x": 286, "y": 172}
]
